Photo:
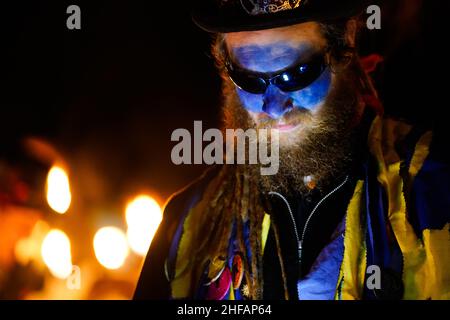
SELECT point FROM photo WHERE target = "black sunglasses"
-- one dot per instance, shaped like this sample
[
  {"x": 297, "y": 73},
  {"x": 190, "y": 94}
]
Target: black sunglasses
[{"x": 291, "y": 79}]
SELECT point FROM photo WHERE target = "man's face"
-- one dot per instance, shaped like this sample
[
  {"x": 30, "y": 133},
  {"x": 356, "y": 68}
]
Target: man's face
[
  {"x": 316, "y": 123},
  {"x": 272, "y": 52}
]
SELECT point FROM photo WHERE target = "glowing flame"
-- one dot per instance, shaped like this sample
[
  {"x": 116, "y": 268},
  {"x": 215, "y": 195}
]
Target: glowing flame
[
  {"x": 143, "y": 216},
  {"x": 111, "y": 248},
  {"x": 58, "y": 190},
  {"x": 55, "y": 251}
]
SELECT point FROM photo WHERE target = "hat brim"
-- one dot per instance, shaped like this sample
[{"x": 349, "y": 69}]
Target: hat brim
[{"x": 211, "y": 19}]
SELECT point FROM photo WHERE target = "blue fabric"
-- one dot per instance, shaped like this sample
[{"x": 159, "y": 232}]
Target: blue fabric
[
  {"x": 321, "y": 282},
  {"x": 382, "y": 222},
  {"x": 247, "y": 240},
  {"x": 377, "y": 240},
  {"x": 430, "y": 197},
  {"x": 371, "y": 257},
  {"x": 232, "y": 246}
]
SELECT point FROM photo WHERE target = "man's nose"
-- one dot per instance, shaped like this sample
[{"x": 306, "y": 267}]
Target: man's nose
[{"x": 276, "y": 102}]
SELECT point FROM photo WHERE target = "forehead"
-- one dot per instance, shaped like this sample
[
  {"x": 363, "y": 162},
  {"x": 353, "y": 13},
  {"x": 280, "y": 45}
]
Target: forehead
[
  {"x": 274, "y": 49},
  {"x": 293, "y": 35}
]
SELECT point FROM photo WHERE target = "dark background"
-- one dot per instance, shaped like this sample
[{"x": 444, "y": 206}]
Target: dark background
[{"x": 108, "y": 96}]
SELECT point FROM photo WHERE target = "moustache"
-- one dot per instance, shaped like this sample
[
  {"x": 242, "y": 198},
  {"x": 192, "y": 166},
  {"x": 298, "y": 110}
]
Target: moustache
[{"x": 295, "y": 116}]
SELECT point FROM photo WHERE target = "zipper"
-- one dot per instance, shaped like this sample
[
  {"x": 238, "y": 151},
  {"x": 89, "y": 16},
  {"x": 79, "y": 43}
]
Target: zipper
[
  {"x": 315, "y": 210},
  {"x": 299, "y": 244},
  {"x": 305, "y": 228}
]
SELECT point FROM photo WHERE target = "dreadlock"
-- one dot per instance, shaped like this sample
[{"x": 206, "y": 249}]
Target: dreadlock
[
  {"x": 233, "y": 203},
  {"x": 235, "y": 199}
]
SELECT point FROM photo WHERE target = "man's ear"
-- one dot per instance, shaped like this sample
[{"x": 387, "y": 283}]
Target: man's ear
[{"x": 350, "y": 35}]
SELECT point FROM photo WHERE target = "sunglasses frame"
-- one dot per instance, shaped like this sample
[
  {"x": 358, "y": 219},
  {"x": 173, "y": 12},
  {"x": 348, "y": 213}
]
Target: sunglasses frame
[{"x": 271, "y": 78}]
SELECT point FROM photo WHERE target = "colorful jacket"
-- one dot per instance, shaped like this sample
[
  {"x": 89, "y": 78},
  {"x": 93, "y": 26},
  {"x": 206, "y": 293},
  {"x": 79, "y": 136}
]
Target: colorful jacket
[{"x": 391, "y": 215}]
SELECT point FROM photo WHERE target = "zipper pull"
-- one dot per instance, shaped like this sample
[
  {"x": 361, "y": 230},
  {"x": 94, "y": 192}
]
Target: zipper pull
[{"x": 300, "y": 252}]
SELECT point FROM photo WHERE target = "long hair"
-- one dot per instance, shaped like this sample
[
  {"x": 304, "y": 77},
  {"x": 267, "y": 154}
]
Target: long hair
[{"x": 235, "y": 197}]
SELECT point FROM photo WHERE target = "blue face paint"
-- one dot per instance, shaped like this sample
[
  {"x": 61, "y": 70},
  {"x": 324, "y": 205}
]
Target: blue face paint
[
  {"x": 268, "y": 58},
  {"x": 275, "y": 102}
]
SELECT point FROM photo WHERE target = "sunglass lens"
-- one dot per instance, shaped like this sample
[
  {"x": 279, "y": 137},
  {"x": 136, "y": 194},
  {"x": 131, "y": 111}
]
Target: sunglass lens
[
  {"x": 299, "y": 77},
  {"x": 249, "y": 83}
]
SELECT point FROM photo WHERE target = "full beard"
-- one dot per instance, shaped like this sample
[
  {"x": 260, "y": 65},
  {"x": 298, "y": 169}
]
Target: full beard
[{"x": 325, "y": 147}]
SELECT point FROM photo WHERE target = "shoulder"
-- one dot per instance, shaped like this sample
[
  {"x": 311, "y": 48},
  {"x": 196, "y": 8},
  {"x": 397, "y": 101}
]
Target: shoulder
[
  {"x": 153, "y": 282},
  {"x": 184, "y": 199},
  {"x": 420, "y": 153},
  {"x": 429, "y": 190}
]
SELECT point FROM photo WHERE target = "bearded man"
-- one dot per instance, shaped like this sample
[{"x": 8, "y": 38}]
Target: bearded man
[{"x": 359, "y": 207}]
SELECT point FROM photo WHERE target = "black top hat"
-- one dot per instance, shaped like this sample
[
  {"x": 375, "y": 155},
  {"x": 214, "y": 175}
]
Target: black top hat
[{"x": 246, "y": 15}]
